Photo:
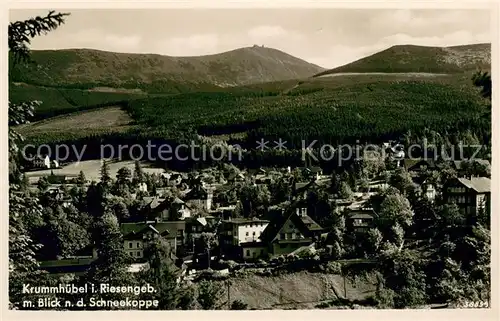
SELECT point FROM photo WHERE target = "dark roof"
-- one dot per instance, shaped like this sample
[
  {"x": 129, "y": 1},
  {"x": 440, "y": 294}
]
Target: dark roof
[
  {"x": 419, "y": 180},
  {"x": 312, "y": 169},
  {"x": 410, "y": 163},
  {"x": 196, "y": 193},
  {"x": 252, "y": 244},
  {"x": 135, "y": 230},
  {"x": 361, "y": 214},
  {"x": 244, "y": 221},
  {"x": 302, "y": 186},
  {"x": 310, "y": 223},
  {"x": 177, "y": 201},
  {"x": 304, "y": 223}
]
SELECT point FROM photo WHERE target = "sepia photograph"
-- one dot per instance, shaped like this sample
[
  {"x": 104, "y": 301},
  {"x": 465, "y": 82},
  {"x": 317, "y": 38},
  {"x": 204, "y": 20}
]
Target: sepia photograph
[{"x": 249, "y": 159}]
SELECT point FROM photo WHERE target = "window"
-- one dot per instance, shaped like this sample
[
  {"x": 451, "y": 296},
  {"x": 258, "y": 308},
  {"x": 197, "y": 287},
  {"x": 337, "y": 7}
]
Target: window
[
  {"x": 138, "y": 253},
  {"x": 129, "y": 245},
  {"x": 248, "y": 252},
  {"x": 261, "y": 251},
  {"x": 289, "y": 235},
  {"x": 246, "y": 234},
  {"x": 253, "y": 233},
  {"x": 282, "y": 236},
  {"x": 138, "y": 245}
]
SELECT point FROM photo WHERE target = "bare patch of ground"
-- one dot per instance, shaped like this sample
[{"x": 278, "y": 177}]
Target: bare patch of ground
[
  {"x": 410, "y": 74},
  {"x": 110, "y": 118},
  {"x": 118, "y": 90},
  {"x": 301, "y": 290}
]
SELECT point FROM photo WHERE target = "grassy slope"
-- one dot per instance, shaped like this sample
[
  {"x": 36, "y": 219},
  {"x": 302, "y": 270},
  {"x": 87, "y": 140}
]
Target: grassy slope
[
  {"x": 408, "y": 58},
  {"x": 299, "y": 290},
  {"x": 87, "y": 68}
]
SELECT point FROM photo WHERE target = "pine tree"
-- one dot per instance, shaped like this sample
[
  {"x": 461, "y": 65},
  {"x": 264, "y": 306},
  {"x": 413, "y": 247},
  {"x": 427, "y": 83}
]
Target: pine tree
[
  {"x": 105, "y": 175},
  {"x": 81, "y": 180},
  {"x": 112, "y": 261},
  {"x": 138, "y": 173},
  {"x": 162, "y": 275}
]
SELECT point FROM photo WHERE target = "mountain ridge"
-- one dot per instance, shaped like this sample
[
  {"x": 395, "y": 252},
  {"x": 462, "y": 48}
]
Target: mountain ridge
[
  {"x": 240, "y": 66},
  {"x": 416, "y": 58}
]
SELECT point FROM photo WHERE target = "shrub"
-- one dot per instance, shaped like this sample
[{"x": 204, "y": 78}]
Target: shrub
[{"x": 334, "y": 267}]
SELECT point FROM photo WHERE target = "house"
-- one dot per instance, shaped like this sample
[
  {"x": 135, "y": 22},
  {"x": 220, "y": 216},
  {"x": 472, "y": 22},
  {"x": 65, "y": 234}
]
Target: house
[
  {"x": 60, "y": 197},
  {"x": 302, "y": 189},
  {"x": 313, "y": 172},
  {"x": 340, "y": 204},
  {"x": 290, "y": 231},
  {"x": 154, "y": 206},
  {"x": 138, "y": 235},
  {"x": 241, "y": 237},
  {"x": 360, "y": 220},
  {"x": 427, "y": 187},
  {"x": 224, "y": 212},
  {"x": 418, "y": 165},
  {"x": 236, "y": 177},
  {"x": 395, "y": 153},
  {"x": 160, "y": 191},
  {"x": 57, "y": 179},
  {"x": 469, "y": 194},
  {"x": 166, "y": 209},
  {"x": 194, "y": 228},
  {"x": 200, "y": 197},
  {"x": 39, "y": 162},
  {"x": 253, "y": 250},
  {"x": 173, "y": 179},
  {"x": 179, "y": 210},
  {"x": 142, "y": 187}
]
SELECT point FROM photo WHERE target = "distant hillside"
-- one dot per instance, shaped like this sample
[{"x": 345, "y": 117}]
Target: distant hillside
[
  {"x": 409, "y": 58},
  {"x": 85, "y": 68},
  {"x": 342, "y": 109}
]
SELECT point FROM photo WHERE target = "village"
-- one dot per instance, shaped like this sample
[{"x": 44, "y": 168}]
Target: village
[{"x": 256, "y": 216}]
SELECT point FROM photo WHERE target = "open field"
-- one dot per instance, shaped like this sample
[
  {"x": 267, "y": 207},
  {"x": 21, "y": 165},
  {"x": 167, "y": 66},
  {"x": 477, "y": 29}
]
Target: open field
[
  {"x": 91, "y": 169},
  {"x": 108, "y": 118}
]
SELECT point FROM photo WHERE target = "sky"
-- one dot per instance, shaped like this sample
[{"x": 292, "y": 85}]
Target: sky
[{"x": 326, "y": 37}]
